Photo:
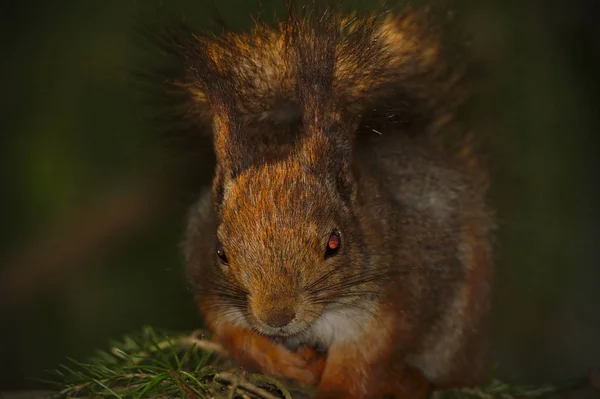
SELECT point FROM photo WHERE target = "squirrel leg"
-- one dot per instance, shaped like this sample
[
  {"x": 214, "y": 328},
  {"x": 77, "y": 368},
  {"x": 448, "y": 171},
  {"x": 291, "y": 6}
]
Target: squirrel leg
[
  {"x": 349, "y": 374},
  {"x": 258, "y": 353}
]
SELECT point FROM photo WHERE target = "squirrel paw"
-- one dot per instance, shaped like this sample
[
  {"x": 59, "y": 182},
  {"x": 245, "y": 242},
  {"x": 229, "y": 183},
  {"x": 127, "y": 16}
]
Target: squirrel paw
[
  {"x": 305, "y": 365},
  {"x": 315, "y": 360}
]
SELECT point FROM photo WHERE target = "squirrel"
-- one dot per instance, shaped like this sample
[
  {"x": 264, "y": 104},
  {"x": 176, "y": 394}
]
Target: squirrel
[{"x": 343, "y": 244}]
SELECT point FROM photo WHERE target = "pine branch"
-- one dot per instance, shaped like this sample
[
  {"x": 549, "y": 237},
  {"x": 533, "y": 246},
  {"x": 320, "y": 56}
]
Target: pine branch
[{"x": 154, "y": 364}]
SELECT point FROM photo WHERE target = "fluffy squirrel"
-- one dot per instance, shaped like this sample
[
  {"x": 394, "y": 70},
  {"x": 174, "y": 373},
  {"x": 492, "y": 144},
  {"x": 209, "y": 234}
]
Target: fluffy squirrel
[{"x": 344, "y": 243}]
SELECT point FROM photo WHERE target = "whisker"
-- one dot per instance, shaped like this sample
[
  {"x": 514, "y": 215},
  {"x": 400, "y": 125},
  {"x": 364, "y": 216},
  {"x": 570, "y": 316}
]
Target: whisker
[
  {"x": 371, "y": 275},
  {"x": 323, "y": 277}
]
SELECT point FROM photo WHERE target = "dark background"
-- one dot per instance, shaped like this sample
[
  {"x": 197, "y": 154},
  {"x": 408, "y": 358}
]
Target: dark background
[{"x": 92, "y": 207}]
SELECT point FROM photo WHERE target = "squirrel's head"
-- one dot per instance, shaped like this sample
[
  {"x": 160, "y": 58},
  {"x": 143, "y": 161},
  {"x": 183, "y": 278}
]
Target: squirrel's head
[{"x": 285, "y": 233}]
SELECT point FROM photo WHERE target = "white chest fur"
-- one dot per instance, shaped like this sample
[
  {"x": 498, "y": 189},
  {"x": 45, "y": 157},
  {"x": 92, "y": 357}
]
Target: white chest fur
[{"x": 336, "y": 326}]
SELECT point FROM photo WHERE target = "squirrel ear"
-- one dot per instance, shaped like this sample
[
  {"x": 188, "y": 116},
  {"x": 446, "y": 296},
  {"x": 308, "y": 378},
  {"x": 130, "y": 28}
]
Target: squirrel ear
[
  {"x": 327, "y": 148},
  {"x": 228, "y": 141},
  {"x": 209, "y": 82},
  {"x": 328, "y": 131}
]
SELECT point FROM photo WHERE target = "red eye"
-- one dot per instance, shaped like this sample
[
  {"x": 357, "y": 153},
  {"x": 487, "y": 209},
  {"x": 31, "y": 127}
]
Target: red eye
[
  {"x": 221, "y": 254},
  {"x": 333, "y": 244}
]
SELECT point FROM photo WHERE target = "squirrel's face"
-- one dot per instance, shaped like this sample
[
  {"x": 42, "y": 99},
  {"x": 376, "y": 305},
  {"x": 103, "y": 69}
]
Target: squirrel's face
[{"x": 283, "y": 238}]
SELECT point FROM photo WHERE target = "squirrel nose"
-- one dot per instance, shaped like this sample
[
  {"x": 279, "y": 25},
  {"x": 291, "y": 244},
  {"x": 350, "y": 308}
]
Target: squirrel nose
[
  {"x": 277, "y": 314},
  {"x": 279, "y": 317}
]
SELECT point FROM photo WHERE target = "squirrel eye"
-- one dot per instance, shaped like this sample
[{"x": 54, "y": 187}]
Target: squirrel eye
[
  {"x": 221, "y": 254},
  {"x": 333, "y": 244}
]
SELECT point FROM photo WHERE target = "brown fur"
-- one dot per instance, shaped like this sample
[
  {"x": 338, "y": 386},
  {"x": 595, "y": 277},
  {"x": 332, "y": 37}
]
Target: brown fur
[{"x": 296, "y": 113}]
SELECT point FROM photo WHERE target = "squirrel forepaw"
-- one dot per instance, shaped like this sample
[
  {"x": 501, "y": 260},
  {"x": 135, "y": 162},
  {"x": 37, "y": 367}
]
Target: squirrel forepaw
[{"x": 305, "y": 365}]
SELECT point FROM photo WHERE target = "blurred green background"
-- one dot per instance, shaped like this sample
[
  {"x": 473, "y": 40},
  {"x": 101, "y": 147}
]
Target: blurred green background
[{"x": 93, "y": 207}]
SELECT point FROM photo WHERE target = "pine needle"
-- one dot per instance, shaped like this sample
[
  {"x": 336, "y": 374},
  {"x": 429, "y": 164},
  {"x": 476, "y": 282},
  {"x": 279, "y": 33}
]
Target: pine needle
[{"x": 153, "y": 364}]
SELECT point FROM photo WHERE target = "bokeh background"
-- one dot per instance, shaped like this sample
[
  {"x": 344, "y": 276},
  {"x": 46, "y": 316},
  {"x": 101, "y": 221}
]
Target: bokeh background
[{"x": 92, "y": 206}]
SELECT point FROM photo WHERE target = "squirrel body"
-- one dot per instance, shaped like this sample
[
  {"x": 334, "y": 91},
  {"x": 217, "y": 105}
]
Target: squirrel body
[{"x": 352, "y": 250}]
